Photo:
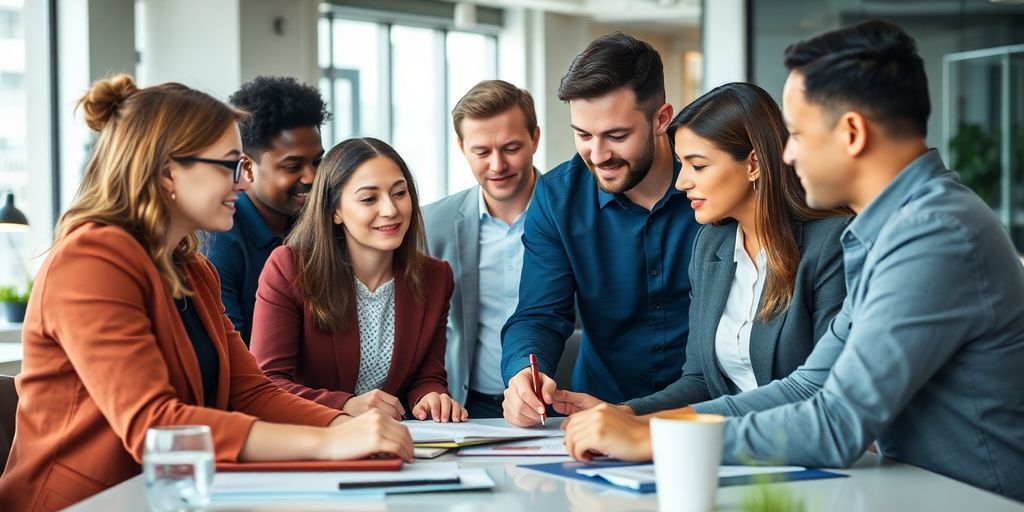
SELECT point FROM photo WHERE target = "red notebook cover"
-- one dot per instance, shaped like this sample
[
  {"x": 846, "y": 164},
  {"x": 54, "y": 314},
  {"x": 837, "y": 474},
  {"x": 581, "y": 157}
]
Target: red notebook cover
[{"x": 389, "y": 464}]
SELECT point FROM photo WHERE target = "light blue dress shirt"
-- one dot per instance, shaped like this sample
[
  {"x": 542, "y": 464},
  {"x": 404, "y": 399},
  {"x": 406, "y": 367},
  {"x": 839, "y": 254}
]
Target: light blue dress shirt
[
  {"x": 926, "y": 355},
  {"x": 501, "y": 265}
]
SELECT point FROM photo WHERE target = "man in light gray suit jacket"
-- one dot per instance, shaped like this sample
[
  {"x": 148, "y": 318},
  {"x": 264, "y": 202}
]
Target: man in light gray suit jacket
[{"x": 478, "y": 231}]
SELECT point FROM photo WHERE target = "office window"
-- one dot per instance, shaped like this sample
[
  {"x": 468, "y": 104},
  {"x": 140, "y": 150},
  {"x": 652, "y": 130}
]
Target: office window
[
  {"x": 10, "y": 20},
  {"x": 975, "y": 66},
  {"x": 398, "y": 82},
  {"x": 13, "y": 154}
]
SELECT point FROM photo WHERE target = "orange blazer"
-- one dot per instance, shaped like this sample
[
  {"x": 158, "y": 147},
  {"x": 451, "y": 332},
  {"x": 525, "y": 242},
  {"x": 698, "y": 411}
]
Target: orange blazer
[
  {"x": 323, "y": 366},
  {"x": 106, "y": 357}
]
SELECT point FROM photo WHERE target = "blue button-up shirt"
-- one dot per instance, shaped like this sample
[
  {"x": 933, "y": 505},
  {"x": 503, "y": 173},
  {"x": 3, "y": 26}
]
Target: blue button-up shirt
[
  {"x": 626, "y": 268},
  {"x": 928, "y": 348},
  {"x": 239, "y": 255}
]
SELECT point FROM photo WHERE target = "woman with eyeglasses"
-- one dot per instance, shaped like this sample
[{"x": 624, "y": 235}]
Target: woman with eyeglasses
[
  {"x": 125, "y": 329},
  {"x": 349, "y": 311},
  {"x": 766, "y": 274}
]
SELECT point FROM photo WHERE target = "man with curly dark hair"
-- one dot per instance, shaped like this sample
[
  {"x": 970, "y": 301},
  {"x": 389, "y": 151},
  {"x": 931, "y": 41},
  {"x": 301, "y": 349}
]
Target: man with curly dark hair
[{"x": 282, "y": 149}]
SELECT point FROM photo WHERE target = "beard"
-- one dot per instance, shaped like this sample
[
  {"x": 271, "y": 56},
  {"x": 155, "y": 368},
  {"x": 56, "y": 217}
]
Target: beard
[{"x": 635, "y": 171}]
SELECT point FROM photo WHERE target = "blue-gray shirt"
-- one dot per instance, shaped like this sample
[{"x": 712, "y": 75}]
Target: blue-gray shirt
[{"x": 928, "y": 348}]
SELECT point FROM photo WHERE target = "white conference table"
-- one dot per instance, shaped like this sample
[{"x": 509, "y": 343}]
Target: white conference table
[{"x": 875, "y": 485}]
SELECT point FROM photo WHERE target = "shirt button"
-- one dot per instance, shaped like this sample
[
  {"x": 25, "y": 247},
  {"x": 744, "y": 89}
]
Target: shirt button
[
  {"x": 650, "y": 221},
  {"x": 657, "y": 348},
  {"x": 657, "y": 306},
  {"x": 654, "y": 273}
]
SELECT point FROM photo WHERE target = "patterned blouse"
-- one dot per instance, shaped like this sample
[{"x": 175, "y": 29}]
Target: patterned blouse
[{"x": 376, "y": 334}]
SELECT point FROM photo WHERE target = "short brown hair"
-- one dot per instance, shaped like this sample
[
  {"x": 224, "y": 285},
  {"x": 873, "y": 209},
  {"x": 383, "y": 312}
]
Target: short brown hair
[
  {"x": 490, "y": 98},
  {"x": 611, "y": 62}
]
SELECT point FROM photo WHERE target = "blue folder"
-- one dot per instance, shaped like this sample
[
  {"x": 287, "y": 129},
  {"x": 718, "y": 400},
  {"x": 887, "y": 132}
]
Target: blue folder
[{"x": 568, "y": 470}]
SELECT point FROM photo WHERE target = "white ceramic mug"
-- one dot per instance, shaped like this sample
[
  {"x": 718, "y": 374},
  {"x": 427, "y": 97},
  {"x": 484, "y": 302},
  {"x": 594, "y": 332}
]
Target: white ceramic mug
[{"x": 687, "y": 451}]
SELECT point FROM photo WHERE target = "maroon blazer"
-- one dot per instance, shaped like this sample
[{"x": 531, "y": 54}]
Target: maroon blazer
[{"x": 323, "y": 366}]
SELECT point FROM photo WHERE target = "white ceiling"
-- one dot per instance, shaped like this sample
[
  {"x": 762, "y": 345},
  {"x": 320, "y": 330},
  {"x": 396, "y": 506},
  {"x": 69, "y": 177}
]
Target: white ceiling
[{"x": 650, "y": 15}]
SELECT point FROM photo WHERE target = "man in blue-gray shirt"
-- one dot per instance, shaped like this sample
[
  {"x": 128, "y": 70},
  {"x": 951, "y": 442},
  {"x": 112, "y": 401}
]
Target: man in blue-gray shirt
[
  {"x": 607, "y": 231},
  {"x": 926, "y": 355},
  {"x": 282, "y": 148}
]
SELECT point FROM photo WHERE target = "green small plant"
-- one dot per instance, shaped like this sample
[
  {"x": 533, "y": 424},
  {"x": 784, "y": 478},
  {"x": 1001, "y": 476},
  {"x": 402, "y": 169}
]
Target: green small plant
[
  {"x": 764, "y": 498},
  {"x": 13, "y": 295}
]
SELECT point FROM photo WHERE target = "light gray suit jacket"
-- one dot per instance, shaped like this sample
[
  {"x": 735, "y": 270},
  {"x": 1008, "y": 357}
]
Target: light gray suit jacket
[
  {"x": 778, "y": 346},
  {"x": 453, "y": 234}
]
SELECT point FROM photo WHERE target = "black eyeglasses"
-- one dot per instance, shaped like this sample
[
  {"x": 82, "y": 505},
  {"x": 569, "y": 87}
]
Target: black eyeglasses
[{"x": 232, "y": 165}]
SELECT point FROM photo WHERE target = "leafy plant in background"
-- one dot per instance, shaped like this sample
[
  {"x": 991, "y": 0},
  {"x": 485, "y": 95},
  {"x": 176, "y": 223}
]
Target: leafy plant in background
[
  {"x": 976, "y": 158},
  {"x": 12, "y": 295}
]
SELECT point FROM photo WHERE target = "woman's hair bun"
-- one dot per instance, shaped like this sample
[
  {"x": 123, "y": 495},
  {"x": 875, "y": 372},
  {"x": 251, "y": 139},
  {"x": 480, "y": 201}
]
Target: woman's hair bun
[{"x": 101, "y": 102}]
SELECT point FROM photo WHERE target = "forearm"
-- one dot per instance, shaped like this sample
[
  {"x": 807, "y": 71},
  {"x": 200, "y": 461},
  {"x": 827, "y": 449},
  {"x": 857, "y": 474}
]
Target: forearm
[
  {"x": 685, "y": 391},
  {"x": 333, "y": 399},
  {"x": 800, "y": 385},
  {"x": 276, "y": 441},
  {"x": 538, "y": 336}
]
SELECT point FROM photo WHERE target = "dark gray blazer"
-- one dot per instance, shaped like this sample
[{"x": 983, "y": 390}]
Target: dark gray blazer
[{"x": 777, "y": 347}]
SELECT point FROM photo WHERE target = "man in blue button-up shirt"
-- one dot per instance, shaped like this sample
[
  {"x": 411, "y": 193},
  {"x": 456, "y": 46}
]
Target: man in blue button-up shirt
[
  {"x": 926, "y": 355},
  {"x": 608, "y": 233},
  {"x": 282, "y": 148}
]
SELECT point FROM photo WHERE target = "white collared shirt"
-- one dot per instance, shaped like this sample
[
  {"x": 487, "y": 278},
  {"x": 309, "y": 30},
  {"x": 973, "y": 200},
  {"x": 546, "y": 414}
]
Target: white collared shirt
[
  {"x": 501, "y": 265},
  {"x": 732, "y": 340}
]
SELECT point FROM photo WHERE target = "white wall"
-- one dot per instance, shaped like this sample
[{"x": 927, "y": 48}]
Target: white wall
[
  {"x": 291, "y": 53},
  {"x": 196, "y": 42},
  {"x": 724, "y": 42}
]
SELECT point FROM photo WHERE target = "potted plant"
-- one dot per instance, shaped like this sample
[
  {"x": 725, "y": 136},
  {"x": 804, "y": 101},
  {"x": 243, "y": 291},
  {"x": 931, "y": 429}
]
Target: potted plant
[{"x": 14, "y": 302}]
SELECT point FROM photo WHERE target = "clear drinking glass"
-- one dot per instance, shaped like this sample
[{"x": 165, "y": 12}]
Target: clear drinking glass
[{"x": 178, "y": 467}]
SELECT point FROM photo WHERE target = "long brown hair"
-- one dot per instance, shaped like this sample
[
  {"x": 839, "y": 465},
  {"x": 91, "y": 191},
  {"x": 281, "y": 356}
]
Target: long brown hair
[
  {"x": 139, "y": 131},
  {"x": 739, "y": 118},
  {"x": 323, "y": 267}
]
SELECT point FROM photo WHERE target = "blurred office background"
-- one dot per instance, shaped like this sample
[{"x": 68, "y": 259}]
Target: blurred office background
[{"x": 393, "y": 69}]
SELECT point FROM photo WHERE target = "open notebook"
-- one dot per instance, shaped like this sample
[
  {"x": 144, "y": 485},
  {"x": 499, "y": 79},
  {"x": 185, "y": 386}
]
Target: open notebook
[{"x": 455, "y": 435}]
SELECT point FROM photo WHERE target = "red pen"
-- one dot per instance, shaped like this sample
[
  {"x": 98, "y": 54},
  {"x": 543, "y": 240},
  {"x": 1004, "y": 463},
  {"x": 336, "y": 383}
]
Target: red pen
[{"x": 537, "y": 386}]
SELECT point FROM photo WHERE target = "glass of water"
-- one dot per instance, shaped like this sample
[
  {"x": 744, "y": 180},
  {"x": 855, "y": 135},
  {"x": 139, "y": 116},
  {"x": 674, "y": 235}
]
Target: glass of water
[{"x": 178, "y": 467}]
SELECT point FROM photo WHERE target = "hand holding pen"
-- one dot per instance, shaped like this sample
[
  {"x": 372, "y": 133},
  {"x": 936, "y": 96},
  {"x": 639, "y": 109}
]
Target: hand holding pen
[{"x": 526, "y": 402}]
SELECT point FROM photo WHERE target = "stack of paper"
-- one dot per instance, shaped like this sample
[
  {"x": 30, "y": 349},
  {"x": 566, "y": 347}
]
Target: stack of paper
[
  {"x": 455, "y": 435},
  {"x": 543, "y": 447},
  {"x": 419, "y": 477}
]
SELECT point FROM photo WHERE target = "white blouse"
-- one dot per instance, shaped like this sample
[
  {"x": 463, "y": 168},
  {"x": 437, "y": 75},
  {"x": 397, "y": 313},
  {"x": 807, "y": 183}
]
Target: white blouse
[
  {"x": 376, "y": 311},
  {"x": 732, "y": 340}
]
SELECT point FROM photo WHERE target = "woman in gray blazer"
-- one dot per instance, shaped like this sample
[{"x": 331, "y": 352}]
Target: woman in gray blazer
[{"x": 766, "y": 271}]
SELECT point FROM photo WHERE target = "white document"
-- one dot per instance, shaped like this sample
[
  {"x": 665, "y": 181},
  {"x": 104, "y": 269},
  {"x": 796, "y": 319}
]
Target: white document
[
  {"x": 433, "y": 432},
  {"x": 634, "y": 477},
  {"x": 428, "y": 453},
  {"x": 547, "y": 446},
  {"x": 327, "y": 481}
]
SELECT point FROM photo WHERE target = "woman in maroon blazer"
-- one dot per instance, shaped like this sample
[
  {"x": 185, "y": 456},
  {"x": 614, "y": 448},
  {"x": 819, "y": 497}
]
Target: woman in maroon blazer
[{"x": 349, "y": 312}]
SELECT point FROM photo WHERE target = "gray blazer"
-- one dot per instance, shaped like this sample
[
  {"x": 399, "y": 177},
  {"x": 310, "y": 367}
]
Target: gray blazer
[
  {"x": 777, "y": 347},
  {"x": 453, "y": 234}
]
